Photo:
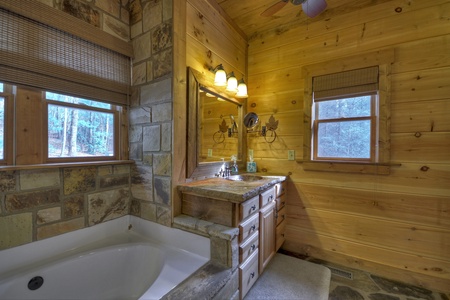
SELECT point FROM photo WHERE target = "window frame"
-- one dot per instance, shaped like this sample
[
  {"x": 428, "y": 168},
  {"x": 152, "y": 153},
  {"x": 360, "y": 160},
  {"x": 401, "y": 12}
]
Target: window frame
[
  {"x": 8, "y": 130},
  {"x": 115, "y": 111},
  {"x": 373, "y": 118},
  {"x": 383, "y": 59}
]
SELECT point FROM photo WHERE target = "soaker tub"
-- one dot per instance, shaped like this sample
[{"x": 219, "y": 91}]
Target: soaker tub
[{"x": 119, "y": 265}]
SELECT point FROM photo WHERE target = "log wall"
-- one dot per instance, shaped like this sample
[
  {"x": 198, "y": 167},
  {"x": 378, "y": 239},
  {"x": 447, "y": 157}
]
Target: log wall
[{"x": 394, "y": 225}]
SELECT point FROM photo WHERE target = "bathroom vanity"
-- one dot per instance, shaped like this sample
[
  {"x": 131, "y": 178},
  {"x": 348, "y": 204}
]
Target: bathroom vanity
[{"x": 254, "y": 204}]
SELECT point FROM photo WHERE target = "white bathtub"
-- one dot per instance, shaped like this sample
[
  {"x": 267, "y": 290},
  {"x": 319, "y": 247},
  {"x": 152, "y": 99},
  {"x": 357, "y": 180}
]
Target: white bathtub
[{"x": 106, "y": 261}]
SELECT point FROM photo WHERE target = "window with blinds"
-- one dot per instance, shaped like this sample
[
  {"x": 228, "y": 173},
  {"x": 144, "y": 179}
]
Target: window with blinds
[
  {"x": 38, "y": 55},
  {"x": 67, "y": 84},
  {"x": 345, "y": 116}
]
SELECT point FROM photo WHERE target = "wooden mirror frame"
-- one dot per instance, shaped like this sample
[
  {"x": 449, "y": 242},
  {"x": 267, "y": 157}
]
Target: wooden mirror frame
[{"x": 195, "y": 169}]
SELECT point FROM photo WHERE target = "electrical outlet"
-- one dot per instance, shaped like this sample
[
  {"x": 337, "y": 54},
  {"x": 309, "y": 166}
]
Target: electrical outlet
[
  {"x": 209, "y": 152},
  {"x": 250, "y": 152},
  {"x": 291, "y": 154}
]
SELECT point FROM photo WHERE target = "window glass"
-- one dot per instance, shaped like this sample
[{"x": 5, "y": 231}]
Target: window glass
[
  {"x": 349, "y": 139},
  {"x": 79, "y": 132},
  {"x": 70, "y": 99},
  {"x": 344, "y": 128},
  {"x": 1, "y": 87},
  {"x": 345, "y": 108},
  {"x": 2, "y": 125}
]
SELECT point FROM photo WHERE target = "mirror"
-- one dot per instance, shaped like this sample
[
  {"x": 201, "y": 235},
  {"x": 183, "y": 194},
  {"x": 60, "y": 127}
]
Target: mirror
[{"x": 215, "y": 126}]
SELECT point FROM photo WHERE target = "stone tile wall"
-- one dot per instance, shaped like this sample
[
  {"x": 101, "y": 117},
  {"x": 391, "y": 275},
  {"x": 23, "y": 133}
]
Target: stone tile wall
[
  {"x": 44, "y": 203},
  {"x": 37, "y": 204},
  {"x": 150, "y": 116}
]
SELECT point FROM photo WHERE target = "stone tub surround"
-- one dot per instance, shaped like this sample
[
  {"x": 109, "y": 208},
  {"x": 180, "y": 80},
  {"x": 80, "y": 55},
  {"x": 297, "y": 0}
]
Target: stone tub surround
[
  {"x": 233, "y": 191},
  {"x": 40, "y": 203},
  {"x": 219, "y": 278}
]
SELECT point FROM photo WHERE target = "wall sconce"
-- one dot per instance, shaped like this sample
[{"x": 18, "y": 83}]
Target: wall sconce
[
  {"x": 221, "y": 79},
  {"x": 232, "y": 83},
  {"x": 242, "y": 89},
  {"x": 219, "y": 136}
]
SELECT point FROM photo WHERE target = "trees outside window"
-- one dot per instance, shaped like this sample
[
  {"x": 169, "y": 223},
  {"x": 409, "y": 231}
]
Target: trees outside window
[
  {"x": 345, "y": 128},
  {"x": 79, "y": 127}
]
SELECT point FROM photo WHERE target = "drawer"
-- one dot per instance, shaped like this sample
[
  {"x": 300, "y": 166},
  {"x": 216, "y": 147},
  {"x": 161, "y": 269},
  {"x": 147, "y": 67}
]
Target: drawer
[
  {"x": 248, "y": 274},
  {"x": 280, "y": 188},
  {"x": 281, "y": 215},
  {"x": 248, "y": 247},
  {"x": 279, "y": 236},
  {"x": 248, "y": 227},
  {"x": 266, "y": 197},
  {"x": 248, "y": 207},
  {"x": 281, "y": 201}
]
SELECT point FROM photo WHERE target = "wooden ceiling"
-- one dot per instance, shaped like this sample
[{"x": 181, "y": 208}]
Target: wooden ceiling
[{"x": 247, "y": 13}]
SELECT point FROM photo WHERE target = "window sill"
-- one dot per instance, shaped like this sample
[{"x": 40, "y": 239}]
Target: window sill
[
  {"x": 65, "y": 165},
  {"x": 348, "y": 167}
]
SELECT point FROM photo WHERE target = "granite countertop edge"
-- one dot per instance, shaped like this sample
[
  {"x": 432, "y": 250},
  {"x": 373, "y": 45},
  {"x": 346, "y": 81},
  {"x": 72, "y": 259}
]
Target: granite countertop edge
[{"x": 229, "y": 190}]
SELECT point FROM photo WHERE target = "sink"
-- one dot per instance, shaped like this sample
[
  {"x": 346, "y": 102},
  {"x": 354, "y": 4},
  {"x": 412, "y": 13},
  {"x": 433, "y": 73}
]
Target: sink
[{"x": 244, "y": 177}]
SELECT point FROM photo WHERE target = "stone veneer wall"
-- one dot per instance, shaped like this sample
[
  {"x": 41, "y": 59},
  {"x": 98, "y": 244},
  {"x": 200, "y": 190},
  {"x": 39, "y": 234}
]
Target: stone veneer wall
[
  {"x": 150, "y": 115},
  {"x": 41, "y": 203}
]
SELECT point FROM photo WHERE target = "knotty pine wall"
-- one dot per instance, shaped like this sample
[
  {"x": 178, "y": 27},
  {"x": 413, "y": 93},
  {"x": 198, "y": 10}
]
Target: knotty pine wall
[
  {"x": 211, "y": 40},
  {"x": 395, "y": 225}
]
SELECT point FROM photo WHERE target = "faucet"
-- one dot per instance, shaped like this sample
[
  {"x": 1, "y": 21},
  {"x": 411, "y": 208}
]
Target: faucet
[{"x": 224, "y": 172}]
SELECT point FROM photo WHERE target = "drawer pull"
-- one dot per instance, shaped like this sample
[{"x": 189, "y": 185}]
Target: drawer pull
[
  {"x": 283, "y": 202},
  {"x": 271, "y": 197},
  {"x": 253, "y": 227},
  {"x": 283, "y": 216},
  {"x": 252, "y": 274},
  {"x": 253, "y": 207},
  {"x": 253, "y": 247}
]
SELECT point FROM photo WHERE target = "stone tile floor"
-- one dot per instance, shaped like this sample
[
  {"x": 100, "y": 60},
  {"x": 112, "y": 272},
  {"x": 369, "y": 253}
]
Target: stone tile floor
[{"x": 365, "y": 286}]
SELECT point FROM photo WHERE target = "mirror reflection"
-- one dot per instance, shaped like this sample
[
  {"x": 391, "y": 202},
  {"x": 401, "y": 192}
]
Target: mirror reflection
[{"x": 218, "y": 132}]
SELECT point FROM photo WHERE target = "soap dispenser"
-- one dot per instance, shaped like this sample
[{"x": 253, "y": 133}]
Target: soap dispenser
[
  {"x": 251, "y": 165},
  {"x": 234, "y": 167}
]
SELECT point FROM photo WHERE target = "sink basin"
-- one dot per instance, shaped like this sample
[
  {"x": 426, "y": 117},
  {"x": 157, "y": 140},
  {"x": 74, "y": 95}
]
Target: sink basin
[{"x": 245, "y": 177}]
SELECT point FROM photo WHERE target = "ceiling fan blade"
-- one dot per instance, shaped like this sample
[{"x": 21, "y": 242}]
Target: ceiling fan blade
[
  {"x": 274, "y": 8},
  {"x": 314, "y": 7}
]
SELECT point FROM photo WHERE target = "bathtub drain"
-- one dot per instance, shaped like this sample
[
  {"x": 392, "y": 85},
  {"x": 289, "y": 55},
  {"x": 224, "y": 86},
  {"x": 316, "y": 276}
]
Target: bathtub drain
[{"x": 35, "y": 283}]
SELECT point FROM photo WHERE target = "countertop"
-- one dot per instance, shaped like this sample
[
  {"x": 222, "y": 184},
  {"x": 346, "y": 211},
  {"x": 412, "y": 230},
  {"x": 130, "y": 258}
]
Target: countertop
[{"x": 230, "y": 190}]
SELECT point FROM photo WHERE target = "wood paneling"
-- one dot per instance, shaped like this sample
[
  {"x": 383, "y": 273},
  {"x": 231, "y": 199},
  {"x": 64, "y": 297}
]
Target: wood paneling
[{"x": 394, "y": 225}]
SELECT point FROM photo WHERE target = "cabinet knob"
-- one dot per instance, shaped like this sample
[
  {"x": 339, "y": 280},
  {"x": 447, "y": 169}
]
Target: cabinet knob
[
  {"x": 253, "y": 247},
  {"x": 253, "y": 227},
  {"x": 252, "y": 274},
  {"x": 253, "y": 207}
]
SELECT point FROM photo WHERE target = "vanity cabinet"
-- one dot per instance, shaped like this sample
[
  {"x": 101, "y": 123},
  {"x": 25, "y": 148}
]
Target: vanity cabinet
[
  {"x": 280, "y": 214},
  {"x": 259, "y": 219}
]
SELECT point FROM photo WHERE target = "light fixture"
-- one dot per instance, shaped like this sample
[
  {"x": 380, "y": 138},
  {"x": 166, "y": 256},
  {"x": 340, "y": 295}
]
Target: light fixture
[
  {"x": 220, "y": 78},
  {"x": 232, "y": 83},
  {"x": 242, "y": 89}
]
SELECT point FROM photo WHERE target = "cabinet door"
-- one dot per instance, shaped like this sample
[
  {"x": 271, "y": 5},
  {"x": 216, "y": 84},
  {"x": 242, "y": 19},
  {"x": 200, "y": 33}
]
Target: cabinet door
[{"x": 267, "y": 225}]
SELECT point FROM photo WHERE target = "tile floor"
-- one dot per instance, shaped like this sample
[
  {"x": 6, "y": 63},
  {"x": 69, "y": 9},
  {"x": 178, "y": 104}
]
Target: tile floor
[{"x": 352, "y": 284}]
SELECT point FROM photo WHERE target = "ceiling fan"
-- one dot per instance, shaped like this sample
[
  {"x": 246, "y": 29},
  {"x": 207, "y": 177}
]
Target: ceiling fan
[{"x": 311, "y": 7}]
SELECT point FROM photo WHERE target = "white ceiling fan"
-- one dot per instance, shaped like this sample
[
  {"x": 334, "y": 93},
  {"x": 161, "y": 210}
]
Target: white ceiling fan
[{"x": 311, "y": 7}]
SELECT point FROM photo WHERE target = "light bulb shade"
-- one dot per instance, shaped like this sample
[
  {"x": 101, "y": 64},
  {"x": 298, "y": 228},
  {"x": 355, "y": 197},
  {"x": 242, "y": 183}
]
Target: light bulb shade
[
  {"x": 242, "y": 89},
  {"x": 220, "y": 78},
  {"x": 313, "y": 8},
  {"x": 232, "y": 83}
]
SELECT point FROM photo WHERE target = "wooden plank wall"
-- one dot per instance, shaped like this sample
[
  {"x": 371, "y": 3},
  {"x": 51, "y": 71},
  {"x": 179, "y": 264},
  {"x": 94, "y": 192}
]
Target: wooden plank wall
[
  {"x": 211, "y": 40},
  {"x": 395, "y": 225}
]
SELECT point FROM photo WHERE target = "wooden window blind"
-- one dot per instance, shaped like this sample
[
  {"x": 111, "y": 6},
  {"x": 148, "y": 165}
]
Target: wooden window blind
[
  {"x": 354, "y": 82},
  {"x": 42, "y": 56}
]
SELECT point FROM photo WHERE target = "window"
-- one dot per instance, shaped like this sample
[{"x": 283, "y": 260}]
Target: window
[
  {"x": 80, "y": 128},
  {"x": 346, "y": 114},
  {"x": 345, "y": 129}
]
